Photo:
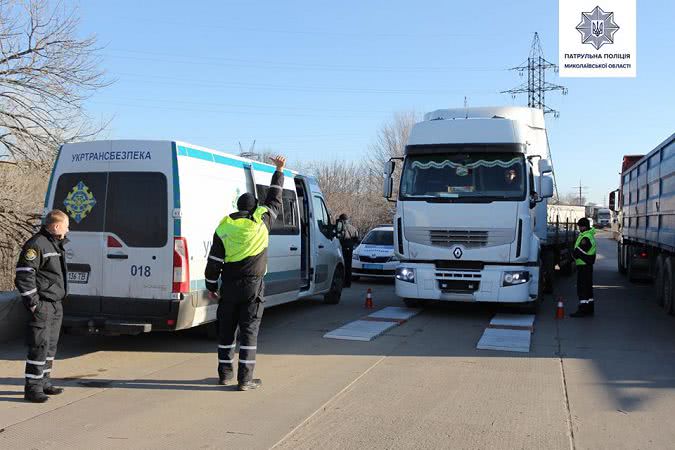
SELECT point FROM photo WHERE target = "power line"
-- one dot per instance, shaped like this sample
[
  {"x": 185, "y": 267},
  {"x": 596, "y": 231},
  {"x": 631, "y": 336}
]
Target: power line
[
  {"x": 237, "y": 62},
  {"x": 536, "y": 86}
]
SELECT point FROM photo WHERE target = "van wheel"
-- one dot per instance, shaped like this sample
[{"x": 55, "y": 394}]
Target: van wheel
[
  {"x": 333, "y": 296},
  {"x": 668, "y": 303},
  {"x": 620, "y": 258},
  {"x": 659, "y": 279},
  {"x": 411, "y": 302}
]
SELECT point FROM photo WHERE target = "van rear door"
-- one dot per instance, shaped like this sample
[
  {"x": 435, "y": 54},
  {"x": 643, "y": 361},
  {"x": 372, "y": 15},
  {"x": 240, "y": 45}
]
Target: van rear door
[
  {"x": 82, "y": 196},
  {"x": 138, "y": 257}
]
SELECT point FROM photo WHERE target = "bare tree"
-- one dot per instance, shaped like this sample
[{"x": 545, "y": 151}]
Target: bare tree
[
  {"x": 390, "y": 141},
  {"x": 347, "y": 189},
  {"x": 46, "y": 73}
]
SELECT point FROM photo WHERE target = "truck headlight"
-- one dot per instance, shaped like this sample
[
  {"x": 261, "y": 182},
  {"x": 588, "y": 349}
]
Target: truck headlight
[
  {"x": 515, "y": 278},
  {"x": 355, "y": 257},
  {"x": 405, "y": 274}
]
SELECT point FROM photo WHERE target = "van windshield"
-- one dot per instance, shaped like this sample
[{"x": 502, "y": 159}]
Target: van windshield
[
  {"x": 131, "y": 205},
  {"x": 379, "y": 237},
  {"x": 464, "y": 176}
]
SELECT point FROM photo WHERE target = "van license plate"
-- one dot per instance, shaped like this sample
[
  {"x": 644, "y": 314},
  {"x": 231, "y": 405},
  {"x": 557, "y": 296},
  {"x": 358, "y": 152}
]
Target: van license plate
[
  {"x": 373, "y": 266},
  {"x": 78, "y": 277}
]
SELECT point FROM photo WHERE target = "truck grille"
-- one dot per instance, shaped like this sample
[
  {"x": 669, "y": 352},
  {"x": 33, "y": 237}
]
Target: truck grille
[
  {"x": 458, "y": 281},
  {"x": 450, "y": 238}
]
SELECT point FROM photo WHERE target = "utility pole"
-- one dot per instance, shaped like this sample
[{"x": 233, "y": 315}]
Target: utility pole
[
  {"x": 581, "y": 189},
  {"x": 536, "y": 86}
]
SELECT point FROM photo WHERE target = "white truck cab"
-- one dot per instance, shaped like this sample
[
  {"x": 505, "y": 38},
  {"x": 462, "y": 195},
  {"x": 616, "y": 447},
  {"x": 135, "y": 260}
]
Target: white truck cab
[
  {"x": 142, "y": 216},
  {"x": 471, "y": 206}
]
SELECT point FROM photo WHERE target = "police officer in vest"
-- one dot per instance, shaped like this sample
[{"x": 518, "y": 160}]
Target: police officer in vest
[
  {"x": 238, "y": 257},
  {"x": 42, "y": 281},
  {"x": 584, "y": 255}
]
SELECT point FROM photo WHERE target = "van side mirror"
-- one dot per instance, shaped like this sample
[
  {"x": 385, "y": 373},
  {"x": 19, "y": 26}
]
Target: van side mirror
[
  {"x": 545, "y": 167},
  {"x": 612, "y": 201}
]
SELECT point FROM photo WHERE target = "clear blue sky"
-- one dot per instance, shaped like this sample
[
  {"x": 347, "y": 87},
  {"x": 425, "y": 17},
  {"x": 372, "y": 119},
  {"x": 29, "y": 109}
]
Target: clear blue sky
[{"x": 315, "y": 80}]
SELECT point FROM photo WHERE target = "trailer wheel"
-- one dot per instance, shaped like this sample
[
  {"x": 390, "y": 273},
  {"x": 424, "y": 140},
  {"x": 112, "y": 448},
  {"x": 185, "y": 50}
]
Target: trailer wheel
[
  {"x": 620, "y": 258},
  {"x": 333, "y": 296},
  {"x": 659, "y": 279},
  {"x": 668, "y": 303}
]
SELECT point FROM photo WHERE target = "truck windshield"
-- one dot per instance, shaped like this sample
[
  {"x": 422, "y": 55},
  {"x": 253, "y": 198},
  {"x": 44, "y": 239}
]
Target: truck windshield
[{"x": 464, "y": 177}]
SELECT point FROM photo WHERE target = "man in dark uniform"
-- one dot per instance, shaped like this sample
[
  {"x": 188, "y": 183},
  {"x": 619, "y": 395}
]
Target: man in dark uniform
[
  {"x": 584, "y": 255},
  {"x": 350, "y": 237},
  {"x": 42, "y": 281},
  {"x": 238, "y": 257}
]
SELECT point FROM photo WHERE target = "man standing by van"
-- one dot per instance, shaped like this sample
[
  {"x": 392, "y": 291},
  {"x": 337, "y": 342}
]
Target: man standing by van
[
  {"x": 42, "y": 281},
  {"x": 238, "y": 257}
]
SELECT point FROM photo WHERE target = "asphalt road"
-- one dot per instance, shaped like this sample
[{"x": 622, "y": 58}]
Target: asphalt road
[{"x": 606, "y": 382}]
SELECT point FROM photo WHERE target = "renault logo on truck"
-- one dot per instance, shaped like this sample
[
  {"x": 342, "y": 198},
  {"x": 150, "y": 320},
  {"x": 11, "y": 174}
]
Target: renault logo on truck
[{"x": 457, "y": 252}]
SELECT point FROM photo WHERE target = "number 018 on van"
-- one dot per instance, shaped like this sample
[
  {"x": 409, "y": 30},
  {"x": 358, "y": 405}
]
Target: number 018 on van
[{"x": 142, "y": 216}]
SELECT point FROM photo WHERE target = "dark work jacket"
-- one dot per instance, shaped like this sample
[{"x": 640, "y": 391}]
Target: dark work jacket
[
  {"x": 253, "y": 266},
  {"x": 41, "y": 272}
]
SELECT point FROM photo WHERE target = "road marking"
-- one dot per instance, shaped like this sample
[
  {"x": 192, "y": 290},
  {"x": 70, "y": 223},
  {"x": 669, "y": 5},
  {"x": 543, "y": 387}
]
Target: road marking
[{"x": 325, "y": 405}]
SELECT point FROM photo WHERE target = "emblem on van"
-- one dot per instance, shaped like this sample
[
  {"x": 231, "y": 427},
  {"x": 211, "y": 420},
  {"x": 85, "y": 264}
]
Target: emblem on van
[
  {"x": 79, "y": 202},
  {"x": 457, "y": 252}
]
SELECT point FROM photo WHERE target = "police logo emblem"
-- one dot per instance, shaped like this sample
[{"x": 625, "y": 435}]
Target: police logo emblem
[
  {"x": 597, "y": 27},
  {"x": 79, "y": 202},
  {"x": 30, "y": 255}
]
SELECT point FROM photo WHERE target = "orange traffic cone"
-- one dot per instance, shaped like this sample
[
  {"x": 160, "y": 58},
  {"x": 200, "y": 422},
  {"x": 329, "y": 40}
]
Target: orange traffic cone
[
  {"x": 369, "y": 299},
  {"x": 560, "y": 309}
]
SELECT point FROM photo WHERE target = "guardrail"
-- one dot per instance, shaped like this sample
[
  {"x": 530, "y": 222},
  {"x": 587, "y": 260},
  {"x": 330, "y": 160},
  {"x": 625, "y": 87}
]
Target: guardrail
[{"x": 13, "y": 316}]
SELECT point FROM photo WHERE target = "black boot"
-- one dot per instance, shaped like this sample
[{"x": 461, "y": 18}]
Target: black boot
[
  {"x": 582, "y": 311},
  {"x": 250, "y": 385},
  {"x": 35, "y": 397},
  {"x": 225, "y": 378},
  {"x": 53, "y": 390}
]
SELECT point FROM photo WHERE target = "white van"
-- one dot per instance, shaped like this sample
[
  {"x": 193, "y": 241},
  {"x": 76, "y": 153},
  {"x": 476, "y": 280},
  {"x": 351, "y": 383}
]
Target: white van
[{"x": 142, "y": 216}]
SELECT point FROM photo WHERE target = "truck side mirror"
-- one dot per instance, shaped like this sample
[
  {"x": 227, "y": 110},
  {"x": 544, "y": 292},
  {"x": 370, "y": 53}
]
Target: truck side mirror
[
  {"x": 612, "y": 200},
  {"x": 545, "y": 187},
  {"x": 545, "y": 167},
  {"x": 388, "y": 187}
]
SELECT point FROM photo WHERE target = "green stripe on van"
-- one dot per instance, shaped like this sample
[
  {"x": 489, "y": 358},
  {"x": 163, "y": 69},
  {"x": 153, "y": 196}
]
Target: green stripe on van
[
  {"x": 270, "y": 277},
  {"x": 220, "y": 159},
  {"x": 176, "y": 188}
]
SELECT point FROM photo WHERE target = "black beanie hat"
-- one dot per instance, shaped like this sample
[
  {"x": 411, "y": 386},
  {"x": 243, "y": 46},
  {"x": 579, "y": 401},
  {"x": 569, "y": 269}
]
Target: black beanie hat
[
  {"x": 247, "y": 202},
  {"x": 583, "y": 222}
]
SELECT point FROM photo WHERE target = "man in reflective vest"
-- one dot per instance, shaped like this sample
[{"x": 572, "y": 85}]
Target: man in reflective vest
[
  {"x": 238, "y": 257},
  {"x": 584, "y": 255}
]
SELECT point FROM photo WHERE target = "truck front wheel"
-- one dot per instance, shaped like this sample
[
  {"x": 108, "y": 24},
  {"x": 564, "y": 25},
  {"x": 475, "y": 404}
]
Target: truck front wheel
[{"x": 620, "y": 249}]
